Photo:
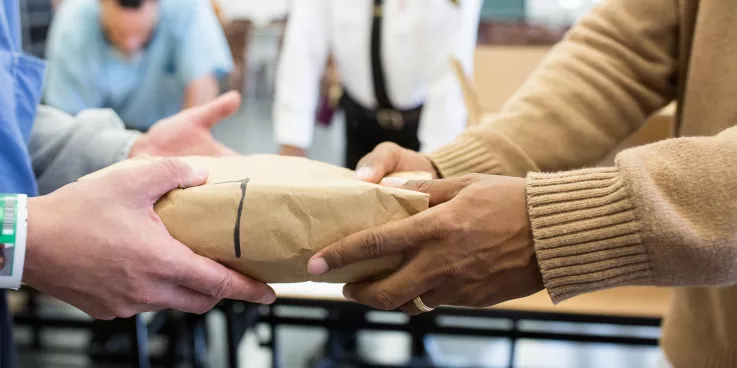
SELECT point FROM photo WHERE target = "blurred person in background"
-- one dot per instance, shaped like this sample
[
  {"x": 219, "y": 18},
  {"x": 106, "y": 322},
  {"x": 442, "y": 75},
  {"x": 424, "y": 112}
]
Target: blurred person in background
[
  {"x": 145, "y": 59},
  {"x": 663, "y": 215},
  {"x": 393, "y": 58}
]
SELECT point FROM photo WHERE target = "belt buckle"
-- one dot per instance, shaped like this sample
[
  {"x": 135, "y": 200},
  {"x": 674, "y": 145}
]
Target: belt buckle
[{"x": 390, "y": 119}]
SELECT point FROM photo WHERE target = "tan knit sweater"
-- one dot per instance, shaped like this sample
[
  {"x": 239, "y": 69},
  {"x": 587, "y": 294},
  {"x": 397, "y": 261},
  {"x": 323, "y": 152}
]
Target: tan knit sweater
[{"x": 666, "y": 214}]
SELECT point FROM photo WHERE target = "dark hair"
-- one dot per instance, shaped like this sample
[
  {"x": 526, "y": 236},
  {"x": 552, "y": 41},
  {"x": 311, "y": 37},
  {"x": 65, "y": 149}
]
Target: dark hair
[{"x": 134, "y": 4}]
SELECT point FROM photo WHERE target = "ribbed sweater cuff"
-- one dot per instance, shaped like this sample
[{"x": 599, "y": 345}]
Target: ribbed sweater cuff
[
  {"x": 464, "y": 156},
  {"x": 587, "y": 236}
]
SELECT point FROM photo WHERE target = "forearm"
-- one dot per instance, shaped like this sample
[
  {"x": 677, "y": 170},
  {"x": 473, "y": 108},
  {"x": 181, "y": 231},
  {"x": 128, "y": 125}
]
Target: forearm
[
  {"x": 594, "y": 89},
  {"x": 664, "y": 215},
  {"x": 64, "y": 148},
  {"x": 201, "y": 91}
]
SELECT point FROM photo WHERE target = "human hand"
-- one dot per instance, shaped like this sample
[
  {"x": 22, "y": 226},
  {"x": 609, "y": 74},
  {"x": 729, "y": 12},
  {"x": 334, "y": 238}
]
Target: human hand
[
  {"x": 388, "y": 158},
  {"x": 99, "y": 246},
  {"x": 188, "y": 133},
  {"x": 287, "y": 150},
  {"x": 473, "y": 248}
]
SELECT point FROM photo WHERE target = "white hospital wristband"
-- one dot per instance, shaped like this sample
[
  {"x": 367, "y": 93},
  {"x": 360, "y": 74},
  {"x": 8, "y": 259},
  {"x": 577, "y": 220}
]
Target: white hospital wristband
[{"x": 14, "y": 221}]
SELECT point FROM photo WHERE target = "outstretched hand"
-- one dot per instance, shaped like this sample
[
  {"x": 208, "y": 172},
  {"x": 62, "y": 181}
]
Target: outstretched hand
[{"x": 189, "y": 132}]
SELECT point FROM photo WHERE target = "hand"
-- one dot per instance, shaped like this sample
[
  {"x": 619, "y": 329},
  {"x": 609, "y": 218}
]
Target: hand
[
  {"x": 99, "y": 246},
  {"x": 473, "y": 248},
  {"x": 287, "y": 150},
  {"x": 188, "y": 133},
  {"x": 388, "y": 158}
]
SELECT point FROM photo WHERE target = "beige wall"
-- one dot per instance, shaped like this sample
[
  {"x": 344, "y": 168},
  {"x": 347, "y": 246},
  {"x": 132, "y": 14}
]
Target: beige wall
[{"x": 500, "y": 70}]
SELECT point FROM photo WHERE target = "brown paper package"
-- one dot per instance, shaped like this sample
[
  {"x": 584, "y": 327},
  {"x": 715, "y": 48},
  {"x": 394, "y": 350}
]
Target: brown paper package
[{"x": 289, "y": 208}]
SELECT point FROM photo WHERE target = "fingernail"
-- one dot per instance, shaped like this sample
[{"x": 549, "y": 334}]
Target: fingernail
[
  {"x": 200, "y": 172},
  {"x": 317, "y": 266},
  {"x": 393, "y": 182},
  {"x": 268, "y": 299},
  {"x": 348, "y": 296},
  {"x": 364, "y": 173}
]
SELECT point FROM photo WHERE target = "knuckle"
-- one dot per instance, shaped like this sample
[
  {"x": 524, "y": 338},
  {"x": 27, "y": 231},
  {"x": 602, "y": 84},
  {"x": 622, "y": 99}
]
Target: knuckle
[
  {"x": 374, "y": 245},
  {"x": 337, "y": 257},
  {"x": 470, "y": 178},
  {"x": 454, "y": 223},
  {"x": 387, "y": 146},
  {"x": 143, "y": 298},
  {"x": 223, "y": 288},
  {"x": 168, "y": 266},
  {"x": 425, "y": 186},
  {"x": 385, "y": 300},
  {"x": 124, "y": 311},
  {"x": 173, "y": 167},
  {"x": 440, "y": 229},
  {"x": 446, "y": 270}
]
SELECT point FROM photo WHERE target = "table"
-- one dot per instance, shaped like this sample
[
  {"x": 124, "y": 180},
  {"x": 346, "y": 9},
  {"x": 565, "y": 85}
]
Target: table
[{"x": 630, "y": 306}]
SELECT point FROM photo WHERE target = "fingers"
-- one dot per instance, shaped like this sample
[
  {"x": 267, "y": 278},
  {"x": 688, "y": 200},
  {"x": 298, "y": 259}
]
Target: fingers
[
  {"x": 184, "y": 299},
  {"x": 380, "y": 162},
  {"x": 431, "y": 299},
  {"x": 211, "y": 278},
  {"x": 159, "y": 177},
  {"x": 223, "y": 150},
  {"x": 213, "y": 112},
  {"x": 389, "y": 239},
  {"x": 392, "y": 292},
  {"x": 440, "y": 190}
]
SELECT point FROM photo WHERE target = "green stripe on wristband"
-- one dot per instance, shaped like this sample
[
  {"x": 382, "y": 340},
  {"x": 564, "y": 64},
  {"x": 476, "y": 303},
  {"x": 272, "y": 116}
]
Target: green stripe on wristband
[
  {"x": 8, "y": 219},
  {"x": 13, "y": 215}
]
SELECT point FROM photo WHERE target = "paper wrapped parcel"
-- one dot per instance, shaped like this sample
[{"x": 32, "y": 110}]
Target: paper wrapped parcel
[{"x": 266, "y": 215}]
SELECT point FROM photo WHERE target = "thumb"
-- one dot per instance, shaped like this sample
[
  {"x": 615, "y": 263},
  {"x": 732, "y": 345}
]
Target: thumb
[
  {"x": 380, "y": 162},
  {"x": 213, "y": 112},
  {"x": 157, "y": 178},
  {"x": 440, "y": 190}
]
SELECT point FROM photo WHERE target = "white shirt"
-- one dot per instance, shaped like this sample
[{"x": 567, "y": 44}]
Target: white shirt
[{"x": 419, "y": 37}]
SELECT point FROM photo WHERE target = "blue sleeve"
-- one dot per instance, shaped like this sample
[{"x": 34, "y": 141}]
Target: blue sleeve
[
  {"x": 69, "y": 85},
  {"x": 203, "y": 48}
]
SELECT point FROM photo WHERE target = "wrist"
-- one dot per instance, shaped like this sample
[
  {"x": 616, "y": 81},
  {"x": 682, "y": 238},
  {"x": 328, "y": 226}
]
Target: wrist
[
  {"x": 13, "y": 237},
  {"x": 38, "y": 227}
]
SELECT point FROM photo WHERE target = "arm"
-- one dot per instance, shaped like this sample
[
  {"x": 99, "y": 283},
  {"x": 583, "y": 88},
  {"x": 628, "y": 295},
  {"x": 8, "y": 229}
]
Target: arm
[
  {"x": 444, "y": 114},
  {"x": 200, "y": 91},
  {"x": 204, "y": 56},
  {"x": 595, "y": 88},
  {"x": 298, "y": 75},
  {"x": 663, "y": 216},
  {"x": 64, "y": 148}
]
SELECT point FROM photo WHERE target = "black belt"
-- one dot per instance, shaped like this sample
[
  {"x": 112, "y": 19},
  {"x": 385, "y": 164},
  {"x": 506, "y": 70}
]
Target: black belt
[
  {"x": 386, "y": 114},
  {"x": 386, "y": 118}
]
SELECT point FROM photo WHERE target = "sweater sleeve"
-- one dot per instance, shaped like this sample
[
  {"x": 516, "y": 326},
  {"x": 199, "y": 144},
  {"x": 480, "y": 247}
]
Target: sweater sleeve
[
  {"x": 614, "y": 69},
  {"x": 664, "y": 216}
]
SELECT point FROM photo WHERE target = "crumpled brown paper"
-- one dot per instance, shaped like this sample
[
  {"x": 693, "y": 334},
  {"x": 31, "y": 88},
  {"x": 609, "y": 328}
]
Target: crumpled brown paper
[{"x": 289, "y": 208}]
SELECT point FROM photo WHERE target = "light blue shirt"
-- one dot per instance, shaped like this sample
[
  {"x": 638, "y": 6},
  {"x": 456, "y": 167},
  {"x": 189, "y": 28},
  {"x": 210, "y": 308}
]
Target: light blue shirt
[{"x": 86, "y": 71}]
